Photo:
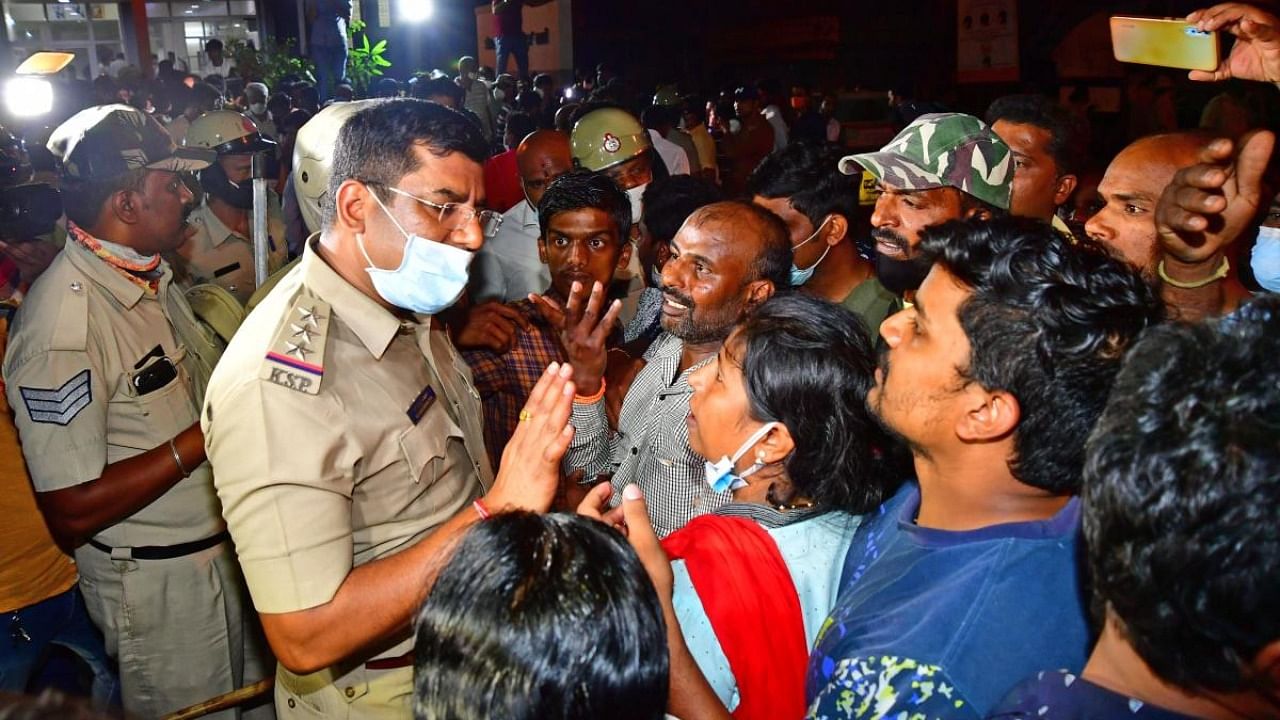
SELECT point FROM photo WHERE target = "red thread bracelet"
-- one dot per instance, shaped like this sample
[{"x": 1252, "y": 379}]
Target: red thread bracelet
[{"x": 481, "y": 510}]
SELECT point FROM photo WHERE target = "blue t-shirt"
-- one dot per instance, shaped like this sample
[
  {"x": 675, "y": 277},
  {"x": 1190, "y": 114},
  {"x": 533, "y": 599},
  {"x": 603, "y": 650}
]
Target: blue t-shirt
[
  {"x": 940, "y": 624},
  {"x": 1065, "y": 696}
]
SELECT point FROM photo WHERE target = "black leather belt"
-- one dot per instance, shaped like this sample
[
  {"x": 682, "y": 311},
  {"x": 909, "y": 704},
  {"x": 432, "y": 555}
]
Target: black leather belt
[{"x": 166, "y": 552}]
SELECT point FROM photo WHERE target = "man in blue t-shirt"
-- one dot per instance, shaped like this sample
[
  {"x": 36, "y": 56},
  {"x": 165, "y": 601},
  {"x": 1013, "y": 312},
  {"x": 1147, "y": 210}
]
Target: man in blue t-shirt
[
  {"x": 1182, "y": 516},
  {"x": 967, "y": 580}
]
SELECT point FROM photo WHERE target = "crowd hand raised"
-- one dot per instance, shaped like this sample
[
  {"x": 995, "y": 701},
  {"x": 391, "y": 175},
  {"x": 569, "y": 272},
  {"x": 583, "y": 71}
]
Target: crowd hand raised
[
  {"x": 644, "y": 541},
  {"x": 1208, "y": 205},
  {"x": 584, "y": 325},
  {"x": 595, "y": 505},
  {"x": 1256, "y": 52},
  {"x": 529, "y": 472},
  {"x": 492, "y": 326}
]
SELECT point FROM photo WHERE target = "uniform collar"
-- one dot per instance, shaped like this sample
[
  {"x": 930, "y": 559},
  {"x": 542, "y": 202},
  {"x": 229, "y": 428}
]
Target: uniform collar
[
  {"x": 219, "y": 233},
  {"x": 371, "y": 322},
  {"x": 109, "y": 278}
]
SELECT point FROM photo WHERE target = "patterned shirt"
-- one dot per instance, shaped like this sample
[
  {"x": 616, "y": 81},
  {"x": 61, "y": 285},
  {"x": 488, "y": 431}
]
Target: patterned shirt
[
  {"x": 505, "y": 380},
  {"x": 651, "y": 445},
  {"x": 935, "y": 624},
  {"x": 1062, "y": 695}
]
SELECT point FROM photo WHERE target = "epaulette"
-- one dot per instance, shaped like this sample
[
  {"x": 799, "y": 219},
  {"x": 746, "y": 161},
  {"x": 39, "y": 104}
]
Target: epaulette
[
  {"x": 70, "y": 329},
  {"x": 295, "y": 358}
]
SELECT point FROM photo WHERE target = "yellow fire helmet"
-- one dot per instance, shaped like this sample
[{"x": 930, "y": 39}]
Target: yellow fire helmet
[{"x": 607, "y": 137}]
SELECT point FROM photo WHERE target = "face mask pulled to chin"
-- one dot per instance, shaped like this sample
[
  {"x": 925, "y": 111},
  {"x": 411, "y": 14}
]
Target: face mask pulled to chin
[
  {"x": 899, "y": 276},
  {"x": 634, "y": 196}
]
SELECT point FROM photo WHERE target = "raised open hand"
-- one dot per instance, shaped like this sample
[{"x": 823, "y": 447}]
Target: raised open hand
[
  {"x": 529, "y": 473},
  {"x": 584, "y": 325}
]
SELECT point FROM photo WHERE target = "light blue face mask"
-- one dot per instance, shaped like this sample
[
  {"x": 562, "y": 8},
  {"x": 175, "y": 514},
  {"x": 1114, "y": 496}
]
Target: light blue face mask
[
  {"x": 431, "y": 275},
  {"x": 1265, "y": 260},
  {"x": 720, "y": 474},
  {"x": 798, "y": 276}
]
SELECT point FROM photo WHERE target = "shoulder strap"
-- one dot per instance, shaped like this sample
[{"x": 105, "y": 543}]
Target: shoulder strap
[{"x": 748, "y": 594}]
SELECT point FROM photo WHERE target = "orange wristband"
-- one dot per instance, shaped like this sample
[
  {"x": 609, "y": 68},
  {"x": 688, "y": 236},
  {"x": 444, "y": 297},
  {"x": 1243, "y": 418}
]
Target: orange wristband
[{"x": 589, "y": 399}]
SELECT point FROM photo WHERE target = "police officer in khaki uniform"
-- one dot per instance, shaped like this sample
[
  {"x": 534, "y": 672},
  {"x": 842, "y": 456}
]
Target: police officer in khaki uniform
[
  {"x": 106, "y": 372},
  {"x": 219, "y": 247},
  {"x": 343, "y": 428}
]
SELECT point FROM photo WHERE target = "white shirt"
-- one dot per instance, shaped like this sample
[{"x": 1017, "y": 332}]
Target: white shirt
[
  {"x": 673, "y": 156},
  {"x": 506, "y": 267},
  {"x": 780, "y": 135}
]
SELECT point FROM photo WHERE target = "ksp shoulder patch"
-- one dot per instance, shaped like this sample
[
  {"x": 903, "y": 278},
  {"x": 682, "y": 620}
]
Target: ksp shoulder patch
[
  {"x": 296, "y": 356},
  {"x": 60, "y": 405}
]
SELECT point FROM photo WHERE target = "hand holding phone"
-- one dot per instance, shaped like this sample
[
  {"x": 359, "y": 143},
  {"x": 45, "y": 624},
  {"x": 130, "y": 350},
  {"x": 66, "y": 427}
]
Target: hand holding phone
[
  {"x": 1164, "y": 42},
  {"x": 1256, "y": 52}
]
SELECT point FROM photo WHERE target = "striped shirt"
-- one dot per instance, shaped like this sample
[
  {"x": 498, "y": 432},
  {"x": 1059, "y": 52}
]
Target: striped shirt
[{"x": 651, "y": 445}]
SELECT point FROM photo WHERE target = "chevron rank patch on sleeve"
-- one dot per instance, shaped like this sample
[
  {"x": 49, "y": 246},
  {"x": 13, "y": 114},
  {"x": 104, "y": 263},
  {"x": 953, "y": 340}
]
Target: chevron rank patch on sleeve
[{"x": 60, "y": 405}]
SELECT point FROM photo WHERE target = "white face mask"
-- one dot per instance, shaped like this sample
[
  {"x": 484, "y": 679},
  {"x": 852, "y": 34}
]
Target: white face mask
[
  {"x": 721, "y": 475},
  {"x": 431, "y": 275},
  {"x": 499, "y": 94},
  {"x": 257, "y": 108},
  {"x": 635, "y": 196},
  {"x": 1265, "y": 260}
]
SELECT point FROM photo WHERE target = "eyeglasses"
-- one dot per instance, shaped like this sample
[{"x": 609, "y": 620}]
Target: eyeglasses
[{"x": 454, "y": 216}]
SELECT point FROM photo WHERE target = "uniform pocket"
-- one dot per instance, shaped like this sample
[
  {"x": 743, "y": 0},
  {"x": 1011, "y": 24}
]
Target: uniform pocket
[{"x": 426, "y": 445}]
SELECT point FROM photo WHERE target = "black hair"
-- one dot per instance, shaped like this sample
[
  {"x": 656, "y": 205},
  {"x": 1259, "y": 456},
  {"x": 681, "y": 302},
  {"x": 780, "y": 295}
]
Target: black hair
[
  {"x": 1048, "y": 115},
  {"x": 1182, "y": 498},
  {"x": 1049, "y": 319},
  {"x": 82, "y": 200},
  {"x": 427, "y": 87},
  {"x": 204, "y": 96},
  {"x": 655, "y": 116},
  {"x": 578, "y": 189},
  {"x": 670, "y": 201},
  {"x": 376, "y": 144},
  {"x": 213, "y": 44},
  {"x": 520, "y": 124},
  {"x": 809, "y": 175},
  {"x": 774, "y": 261},
  {"x": 808, "y": 364},
  {"x": 541, "y": 616}
]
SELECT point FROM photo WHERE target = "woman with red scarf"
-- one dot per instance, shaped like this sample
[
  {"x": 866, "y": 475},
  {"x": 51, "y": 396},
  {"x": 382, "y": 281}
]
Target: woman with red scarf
[{"x": 780, "y": 416}]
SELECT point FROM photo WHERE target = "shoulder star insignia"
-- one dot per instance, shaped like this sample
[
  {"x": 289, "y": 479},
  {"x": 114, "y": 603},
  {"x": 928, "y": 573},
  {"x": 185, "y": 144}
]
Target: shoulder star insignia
[
  {"x": 298, "y": 350},
  {"x": 304, "y": 331},
  {"x": 310, "y": 316}
]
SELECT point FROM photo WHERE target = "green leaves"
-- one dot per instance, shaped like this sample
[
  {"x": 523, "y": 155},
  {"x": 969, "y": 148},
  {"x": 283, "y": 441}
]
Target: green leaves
[{"x": 365, "y": 60}]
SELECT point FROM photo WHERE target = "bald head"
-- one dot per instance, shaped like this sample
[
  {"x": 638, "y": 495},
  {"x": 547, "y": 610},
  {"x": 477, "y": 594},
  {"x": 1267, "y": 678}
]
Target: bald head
[
  {"x": 754, "y": 232},
  {"x": 541, "y": 157},
  {"x": 1130, "y": 190}
]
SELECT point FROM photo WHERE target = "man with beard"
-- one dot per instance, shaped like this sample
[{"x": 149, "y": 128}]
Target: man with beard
[
  {"x": 106, "y": 369},
  {"x": 968, "y": 576},
  {"x": 726, "y": 260},
  {"x": 219, "y": 246},
  {"x": 943, "y": 166}
]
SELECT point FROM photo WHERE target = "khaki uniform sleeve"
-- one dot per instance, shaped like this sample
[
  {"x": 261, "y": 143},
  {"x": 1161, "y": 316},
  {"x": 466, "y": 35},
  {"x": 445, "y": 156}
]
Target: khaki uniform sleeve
[
  {"x": 59, "y": 402},
  {"x": 285, "y": 479}
]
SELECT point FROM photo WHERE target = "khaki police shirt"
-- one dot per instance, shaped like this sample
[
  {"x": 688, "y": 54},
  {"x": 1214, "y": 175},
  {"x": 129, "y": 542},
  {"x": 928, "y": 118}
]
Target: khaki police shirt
[
  {"x": 213, "y": 253},
  {"x": 81, "y": 336},
  {"x": 339, "y": 434}
]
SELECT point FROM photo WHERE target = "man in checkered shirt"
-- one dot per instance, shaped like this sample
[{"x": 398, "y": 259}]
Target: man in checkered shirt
[{"x": 726, "y": 260}]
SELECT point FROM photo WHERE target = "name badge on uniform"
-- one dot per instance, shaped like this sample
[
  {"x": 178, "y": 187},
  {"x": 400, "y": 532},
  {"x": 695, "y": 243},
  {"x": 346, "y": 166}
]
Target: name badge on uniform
[{"x": 422, "y": 404}]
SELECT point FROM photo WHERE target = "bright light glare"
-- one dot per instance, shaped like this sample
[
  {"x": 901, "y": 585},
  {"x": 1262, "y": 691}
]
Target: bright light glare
[
  {"x": 28, "y": 97},
  {"x": 416, "y": 10}
]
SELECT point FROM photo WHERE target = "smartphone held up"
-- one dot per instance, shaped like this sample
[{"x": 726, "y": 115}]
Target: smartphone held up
[{"x": 1165, "y": 42}]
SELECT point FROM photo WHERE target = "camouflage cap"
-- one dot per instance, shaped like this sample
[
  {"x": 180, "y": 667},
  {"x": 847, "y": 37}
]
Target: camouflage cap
[
  {"x": 109, "y": 140},
  {"x": 943, "y": 150}
]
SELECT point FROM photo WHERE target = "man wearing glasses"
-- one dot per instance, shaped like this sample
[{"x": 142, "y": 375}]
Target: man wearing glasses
[
  {"x": 106, "y": 371},
  {"x": 344, "y": 430}
]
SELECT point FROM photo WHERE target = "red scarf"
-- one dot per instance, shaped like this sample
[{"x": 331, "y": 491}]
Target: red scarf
[{"x": 750, "y": 598}]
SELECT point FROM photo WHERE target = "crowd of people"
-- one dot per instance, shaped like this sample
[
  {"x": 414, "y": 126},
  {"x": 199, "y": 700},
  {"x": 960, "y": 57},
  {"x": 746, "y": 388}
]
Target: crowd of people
[{"x": 540, "y": 402}]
